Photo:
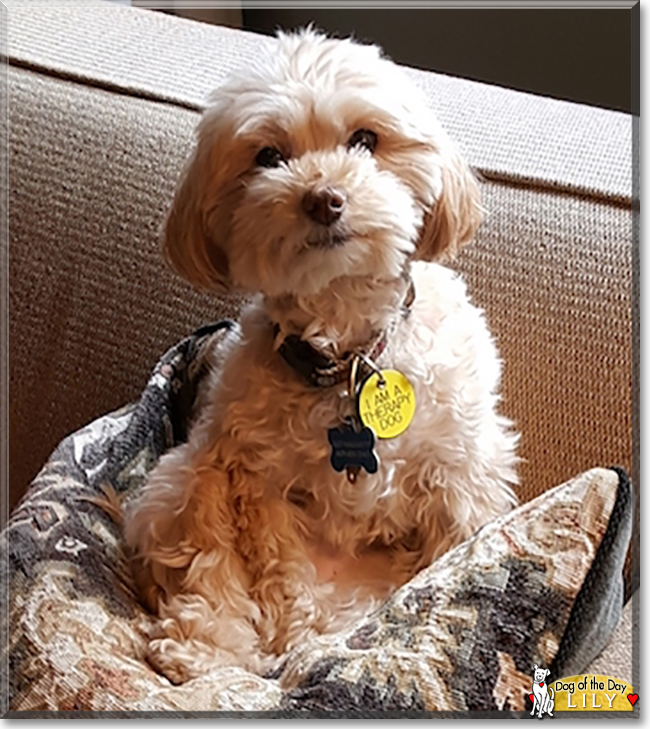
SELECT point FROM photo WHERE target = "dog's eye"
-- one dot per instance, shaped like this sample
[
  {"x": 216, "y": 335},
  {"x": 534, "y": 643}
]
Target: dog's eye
[
  {"x": 363, "y": 138},
  {"x": 269, "y": 157}
]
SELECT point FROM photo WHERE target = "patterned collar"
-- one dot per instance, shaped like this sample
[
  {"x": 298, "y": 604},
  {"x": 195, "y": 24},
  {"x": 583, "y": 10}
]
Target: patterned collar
[{"x": 318, "y": 370}]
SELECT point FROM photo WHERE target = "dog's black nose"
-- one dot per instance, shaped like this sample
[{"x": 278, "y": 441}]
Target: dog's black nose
[{"x": 324, "y": 206}]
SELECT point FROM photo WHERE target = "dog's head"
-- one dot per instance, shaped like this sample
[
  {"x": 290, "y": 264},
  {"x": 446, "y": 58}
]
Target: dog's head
[
  {"x": 540, "y": 674},
  {"x": 321, "y": 161}
]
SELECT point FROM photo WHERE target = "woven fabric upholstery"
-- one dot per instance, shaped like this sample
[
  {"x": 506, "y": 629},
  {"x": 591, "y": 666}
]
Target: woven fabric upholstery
[
  {"x": 103, "y": 100},
  {"x": 553, "y": 272},
  {"x": 92, "y": 304}
]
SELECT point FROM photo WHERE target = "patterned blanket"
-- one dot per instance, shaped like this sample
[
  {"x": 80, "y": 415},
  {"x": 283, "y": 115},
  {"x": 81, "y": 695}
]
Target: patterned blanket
[{"x": 539, "y": 585}]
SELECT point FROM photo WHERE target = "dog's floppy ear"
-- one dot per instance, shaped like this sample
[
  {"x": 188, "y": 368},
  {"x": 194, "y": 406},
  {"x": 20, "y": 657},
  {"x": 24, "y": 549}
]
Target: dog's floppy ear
[
  {"x": 455, "y": 214},
  {"x": 190, "y": 233}
]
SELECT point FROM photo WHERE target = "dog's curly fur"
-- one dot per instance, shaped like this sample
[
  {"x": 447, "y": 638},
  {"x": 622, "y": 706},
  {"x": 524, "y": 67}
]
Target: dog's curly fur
[{"x": 245, "y": 540}]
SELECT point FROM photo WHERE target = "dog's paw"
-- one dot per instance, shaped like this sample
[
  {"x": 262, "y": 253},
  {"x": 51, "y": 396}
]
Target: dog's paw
[
  {"x": 157, "y": 658},
  {"x": 182, "y": 661}
]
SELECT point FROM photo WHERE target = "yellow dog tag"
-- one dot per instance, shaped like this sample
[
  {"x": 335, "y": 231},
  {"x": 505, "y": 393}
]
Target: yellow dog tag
[{"x": 387, "y": 403}]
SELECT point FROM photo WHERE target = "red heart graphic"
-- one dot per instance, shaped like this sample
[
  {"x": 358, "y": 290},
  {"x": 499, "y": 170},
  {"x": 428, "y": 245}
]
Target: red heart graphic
[
  {"x": 531, "y": 697},
  {"x": 542, "y": 683},
  {"x": 633, "y": 698}
]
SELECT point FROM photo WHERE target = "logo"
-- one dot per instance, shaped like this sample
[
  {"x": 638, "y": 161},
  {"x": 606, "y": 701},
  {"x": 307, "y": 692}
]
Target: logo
[
  {"x": 579, "y": 693},
  {"x": 543, "y": 697}
]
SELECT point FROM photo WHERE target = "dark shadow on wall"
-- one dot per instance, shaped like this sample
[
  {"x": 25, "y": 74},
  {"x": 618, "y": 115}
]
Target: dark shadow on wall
[{"x": 579, "y": 55}]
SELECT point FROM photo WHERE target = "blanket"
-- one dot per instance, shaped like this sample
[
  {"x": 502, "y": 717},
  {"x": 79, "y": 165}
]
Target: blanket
[{"x": 540, "y": 585}]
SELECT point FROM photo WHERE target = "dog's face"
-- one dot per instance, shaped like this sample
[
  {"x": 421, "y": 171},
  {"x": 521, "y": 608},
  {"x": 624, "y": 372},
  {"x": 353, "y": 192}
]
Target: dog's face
[
  {"x": 540, "y": 674},
  {"x": 321, "y": 162}
]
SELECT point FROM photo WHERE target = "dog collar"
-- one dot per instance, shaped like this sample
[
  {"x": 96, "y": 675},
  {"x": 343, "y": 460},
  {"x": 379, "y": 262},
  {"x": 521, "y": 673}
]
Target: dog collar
[
  {"x": 319, "y": 370},
  {"x": 316, "y": 368}
]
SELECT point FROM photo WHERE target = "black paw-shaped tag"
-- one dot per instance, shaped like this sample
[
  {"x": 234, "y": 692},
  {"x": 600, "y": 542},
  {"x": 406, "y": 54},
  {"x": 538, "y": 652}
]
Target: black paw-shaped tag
[{"x": 352, "y": 449}]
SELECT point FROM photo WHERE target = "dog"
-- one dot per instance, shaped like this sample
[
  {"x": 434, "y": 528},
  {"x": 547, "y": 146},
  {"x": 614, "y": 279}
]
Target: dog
[
  {"x": 323, "y": 186},
  {"x": 542, "y": 702}
]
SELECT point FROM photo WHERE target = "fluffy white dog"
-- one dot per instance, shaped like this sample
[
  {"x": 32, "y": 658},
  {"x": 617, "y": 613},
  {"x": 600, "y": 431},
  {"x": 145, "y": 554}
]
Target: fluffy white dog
[{"x": 322, "y": 183}]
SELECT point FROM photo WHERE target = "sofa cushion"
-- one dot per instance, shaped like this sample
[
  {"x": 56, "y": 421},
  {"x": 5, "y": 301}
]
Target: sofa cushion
[{"x": 462, "y": 635}]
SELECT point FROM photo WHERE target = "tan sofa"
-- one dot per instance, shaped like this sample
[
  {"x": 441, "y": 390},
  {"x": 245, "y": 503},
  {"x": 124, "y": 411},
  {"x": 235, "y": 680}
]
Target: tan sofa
[{"x": 103, "y": 100}]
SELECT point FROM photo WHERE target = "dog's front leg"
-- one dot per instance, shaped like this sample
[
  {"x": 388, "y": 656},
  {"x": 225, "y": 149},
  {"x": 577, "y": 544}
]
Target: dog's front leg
[
  {"x": 450, "y": 507},
  {"x": 535, "y": 705},
  {"x": 182, "y": 536},
  {"x": 293, "y": 606}
]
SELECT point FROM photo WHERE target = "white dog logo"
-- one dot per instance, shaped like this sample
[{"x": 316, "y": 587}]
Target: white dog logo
[{"x": 542, "y": 701}]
